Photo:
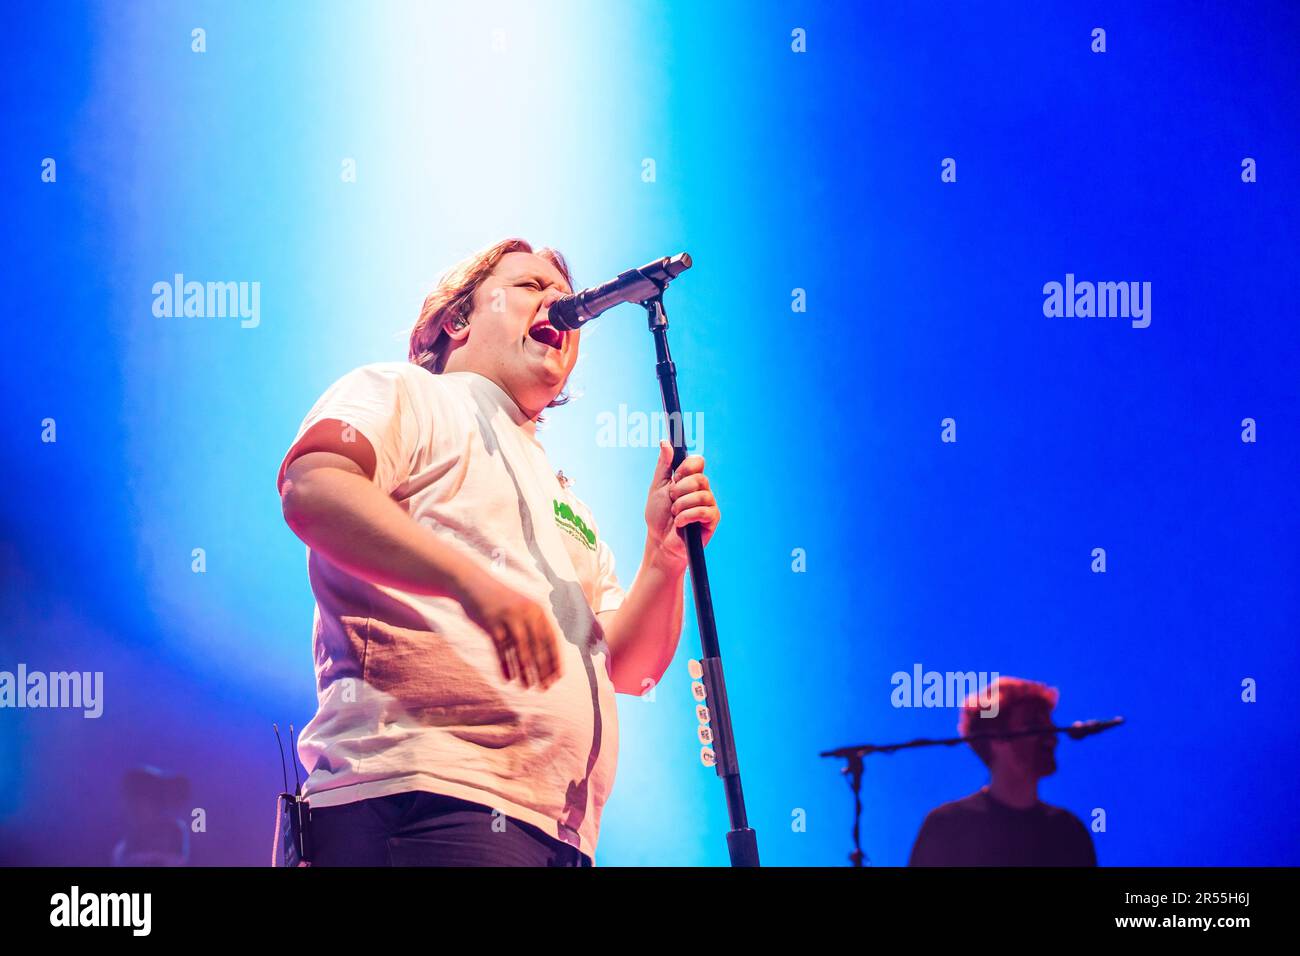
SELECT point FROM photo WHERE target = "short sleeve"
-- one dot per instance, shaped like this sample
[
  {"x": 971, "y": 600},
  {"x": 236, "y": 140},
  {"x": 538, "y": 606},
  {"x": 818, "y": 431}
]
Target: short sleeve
[
  {"x": 375, "y": 400},
  {"x": 1086, "y": 852},
  {"x": 609, "y": 594},
  {"x": 928, "y": 850}
]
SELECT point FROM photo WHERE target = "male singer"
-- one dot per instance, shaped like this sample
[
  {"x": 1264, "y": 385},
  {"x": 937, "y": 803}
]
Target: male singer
[
  {"x": 470, "y": 633},
  {"x": 1004, "y": 823}
]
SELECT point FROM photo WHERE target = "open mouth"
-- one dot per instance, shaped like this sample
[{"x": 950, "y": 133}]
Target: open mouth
[{"x": 547, "y": 334}]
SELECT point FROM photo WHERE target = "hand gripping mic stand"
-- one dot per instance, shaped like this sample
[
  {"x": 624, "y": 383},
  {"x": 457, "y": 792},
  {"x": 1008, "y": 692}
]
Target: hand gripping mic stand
[{"x": 742, "y": 842}]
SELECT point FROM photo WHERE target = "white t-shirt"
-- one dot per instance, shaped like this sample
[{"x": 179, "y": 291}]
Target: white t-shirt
[{"x": 410, "y": 690}]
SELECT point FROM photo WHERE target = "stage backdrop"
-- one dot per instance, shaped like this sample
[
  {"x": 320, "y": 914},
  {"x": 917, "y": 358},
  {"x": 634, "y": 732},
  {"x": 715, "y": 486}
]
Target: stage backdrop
[{"x": 990, "y": 346}]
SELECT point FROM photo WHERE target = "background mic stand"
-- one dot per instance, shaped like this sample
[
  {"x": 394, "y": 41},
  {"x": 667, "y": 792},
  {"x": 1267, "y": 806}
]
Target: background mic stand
[
  {"x": 854, "y": 754},
  {"x": 742, "y": 842}
]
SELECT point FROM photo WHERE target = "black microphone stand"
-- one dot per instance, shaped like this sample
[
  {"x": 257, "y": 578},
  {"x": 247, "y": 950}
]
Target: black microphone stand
[
  {"x": 742, "y": 842},
  {"x": 854, "y": 754}
]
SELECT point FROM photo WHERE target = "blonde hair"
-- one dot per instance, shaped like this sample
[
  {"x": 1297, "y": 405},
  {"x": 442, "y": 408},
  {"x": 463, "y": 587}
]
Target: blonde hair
[{"x": 454, "y": 296}]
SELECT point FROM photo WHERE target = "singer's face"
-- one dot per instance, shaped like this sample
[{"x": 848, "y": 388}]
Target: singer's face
[
  {"x": 510, "y": 338},
  {"x": 1031, "y": 756}
]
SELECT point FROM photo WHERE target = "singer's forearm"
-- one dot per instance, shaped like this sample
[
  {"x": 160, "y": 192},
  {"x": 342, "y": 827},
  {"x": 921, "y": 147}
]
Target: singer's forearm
[
  {"x": 347, "y": 518},
  {"x": 644, "y": 632}
]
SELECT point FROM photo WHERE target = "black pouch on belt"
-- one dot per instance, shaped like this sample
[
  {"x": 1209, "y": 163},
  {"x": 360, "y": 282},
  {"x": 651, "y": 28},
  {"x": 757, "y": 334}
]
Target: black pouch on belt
[{"x": 293, "y": 831}]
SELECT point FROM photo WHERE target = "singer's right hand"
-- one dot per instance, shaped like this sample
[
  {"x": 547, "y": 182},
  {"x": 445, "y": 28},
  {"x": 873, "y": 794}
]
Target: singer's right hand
[{"x": 526, "y": 641}]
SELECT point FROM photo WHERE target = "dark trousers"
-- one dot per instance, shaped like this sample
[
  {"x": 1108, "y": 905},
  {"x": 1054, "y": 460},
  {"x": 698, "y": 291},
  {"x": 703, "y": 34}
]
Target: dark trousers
[{"x": 429, "y": 829}]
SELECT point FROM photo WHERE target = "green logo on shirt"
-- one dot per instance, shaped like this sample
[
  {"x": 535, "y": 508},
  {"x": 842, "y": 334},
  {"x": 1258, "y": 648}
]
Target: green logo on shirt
[{"x": 573, "y": 524}]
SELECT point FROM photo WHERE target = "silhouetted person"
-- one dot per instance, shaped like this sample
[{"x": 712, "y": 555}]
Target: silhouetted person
[
  {"x": 1004, "y": 823},
  {"x": 156, "y": 833}
]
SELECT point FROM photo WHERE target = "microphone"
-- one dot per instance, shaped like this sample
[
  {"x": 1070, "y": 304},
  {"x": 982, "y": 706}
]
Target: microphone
[
  {"x": 1086, "y": 728},
  {"x": 635, "y": 285}
]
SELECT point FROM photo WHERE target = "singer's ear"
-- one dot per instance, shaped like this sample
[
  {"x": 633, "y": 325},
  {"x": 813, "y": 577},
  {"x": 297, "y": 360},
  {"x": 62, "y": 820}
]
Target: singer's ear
[{"x": 457, "y": 327}]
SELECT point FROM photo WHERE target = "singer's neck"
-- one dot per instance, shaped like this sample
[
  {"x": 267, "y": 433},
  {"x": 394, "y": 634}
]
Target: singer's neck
[
  {"x": 529, "y": 402},
  {"x": 1014, "y": 789}
]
